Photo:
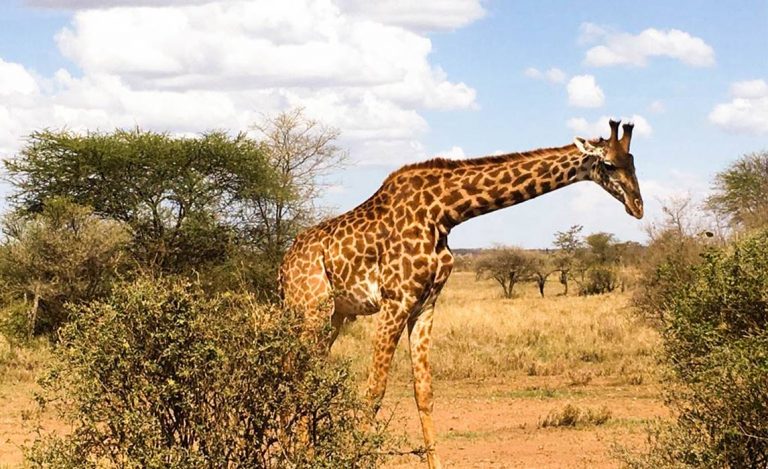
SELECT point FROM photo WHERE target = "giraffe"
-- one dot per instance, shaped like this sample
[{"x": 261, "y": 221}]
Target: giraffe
[{"x": 390, "y": 256}]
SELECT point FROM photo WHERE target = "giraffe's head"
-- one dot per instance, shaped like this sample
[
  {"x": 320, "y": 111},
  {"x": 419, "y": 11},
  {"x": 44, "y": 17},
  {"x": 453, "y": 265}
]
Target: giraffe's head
[{"x": 614, "y": 167}]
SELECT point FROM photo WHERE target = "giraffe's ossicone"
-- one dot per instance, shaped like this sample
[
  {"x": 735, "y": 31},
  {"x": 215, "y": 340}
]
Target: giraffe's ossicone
[{"x": 390, "y": 254}]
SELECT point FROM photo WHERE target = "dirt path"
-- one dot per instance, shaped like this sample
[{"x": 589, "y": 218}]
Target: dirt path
[
  {"x": 485, "y": 425},
  {"x": 17, "y": 406},
  {"x": 480, "y": 424}
]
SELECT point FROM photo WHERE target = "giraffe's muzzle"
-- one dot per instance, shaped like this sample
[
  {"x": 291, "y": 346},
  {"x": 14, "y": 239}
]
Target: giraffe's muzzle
[{"x": 635, "y": 208}]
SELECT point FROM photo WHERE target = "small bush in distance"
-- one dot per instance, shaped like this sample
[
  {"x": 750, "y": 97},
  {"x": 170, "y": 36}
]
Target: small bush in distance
[
  {"x": 161, "y": 376},
  {"x": 572, "y": 416}
]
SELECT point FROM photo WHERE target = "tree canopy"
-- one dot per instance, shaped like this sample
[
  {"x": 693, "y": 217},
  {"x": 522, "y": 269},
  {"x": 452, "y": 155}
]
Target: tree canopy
[
  {"x": 177, "y": 195},
  {"x": 505, "y": 265},
  {"x": 741, "y": 191}
]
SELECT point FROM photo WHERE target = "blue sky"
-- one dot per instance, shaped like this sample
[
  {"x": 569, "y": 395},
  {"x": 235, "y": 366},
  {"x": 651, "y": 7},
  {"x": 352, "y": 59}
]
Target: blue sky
[{"x": 406, "y": 81}]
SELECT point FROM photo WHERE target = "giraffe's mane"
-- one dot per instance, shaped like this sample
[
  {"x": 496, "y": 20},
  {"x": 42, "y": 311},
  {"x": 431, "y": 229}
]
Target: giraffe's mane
[{"x": 446, "y": 163}]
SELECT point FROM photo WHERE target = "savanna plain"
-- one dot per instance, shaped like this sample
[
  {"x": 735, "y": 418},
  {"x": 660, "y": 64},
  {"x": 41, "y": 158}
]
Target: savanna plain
[{"x": 553, "y": 382}]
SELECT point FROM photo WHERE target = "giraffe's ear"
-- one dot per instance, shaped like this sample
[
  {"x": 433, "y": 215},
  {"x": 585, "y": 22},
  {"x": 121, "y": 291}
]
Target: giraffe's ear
[{"x": 586, "y": 147}]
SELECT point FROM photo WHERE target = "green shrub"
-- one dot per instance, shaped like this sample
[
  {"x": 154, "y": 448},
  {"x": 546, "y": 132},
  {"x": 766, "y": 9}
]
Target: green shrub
[
  {"x": 716, "y": 340},
  {"x": 160, "y": 375},
  {"x": 666, "y": 267},
  {"x": 64, "y": 254}
]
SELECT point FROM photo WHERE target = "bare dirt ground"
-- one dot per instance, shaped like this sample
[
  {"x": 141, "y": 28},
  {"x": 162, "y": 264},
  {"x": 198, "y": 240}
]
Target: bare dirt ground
[
  {"x": 481, "y": 424},
  {"x": 17, "y": 406},
  {"x": 497, "y": 425}
]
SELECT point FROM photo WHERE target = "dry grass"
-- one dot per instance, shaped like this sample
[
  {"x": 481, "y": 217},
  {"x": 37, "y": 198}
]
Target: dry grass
[
  {"x": 479, "y": 335},
  {"x": 573, "y": 416},
  {"x": 21, "y": 364}
]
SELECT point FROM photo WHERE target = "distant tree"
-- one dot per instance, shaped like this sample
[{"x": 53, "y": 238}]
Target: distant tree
[
  {"x": 63, "y": 255},
  {"x": 181, "y": 198},
  {"x": 602, "y": 248},
  {"x": 741, "y": 191},
  {"x": 505, "y": 265},
  {"x": 629, "y": 252},
  {"x": 568, "y": 243},
  {"x": 302, "y": 153},
  {"x": 541, "y": 267},
  {"x": 630, "y": 258},
  {"x": 598, "y": 264}
]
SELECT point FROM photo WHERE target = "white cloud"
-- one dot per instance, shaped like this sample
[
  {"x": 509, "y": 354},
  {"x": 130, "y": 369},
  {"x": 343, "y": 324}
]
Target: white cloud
[
  {"x": 619, "y": 48},
  {"x": 600, "y": 127},
  {"x": 389, "y": 152},
  {"x": 677, "y": 185},
  {"x": 86, "y": 4},
  {"x": 584, "y": 92},
  {"x": 454, "y": 153},
  {"x": 749, "y": 89},
  {"x": 591, "y": 32},
  {"x": 426, "y": 15},
  {"x": 588, "y": 197},
  {"x": 16, "y": 80},
  {"x": 189, "y": 66},
  {"x": 747, "y": 112},
  {"x": 657, "y": 107},
  {"x": 552, "y": 75}
]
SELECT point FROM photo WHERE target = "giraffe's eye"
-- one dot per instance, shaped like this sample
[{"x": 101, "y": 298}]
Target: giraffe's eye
[{"x": 609, "y": 166}]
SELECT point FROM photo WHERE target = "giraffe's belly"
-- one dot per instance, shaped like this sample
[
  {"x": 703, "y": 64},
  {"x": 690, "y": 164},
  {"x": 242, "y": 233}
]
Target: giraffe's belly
[{"x": 363, "y": 299}]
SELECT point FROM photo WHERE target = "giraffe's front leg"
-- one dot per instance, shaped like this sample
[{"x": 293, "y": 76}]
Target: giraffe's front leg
[
  {"x": 420, "y": 339},
  {"x": 391, "y": 324}
]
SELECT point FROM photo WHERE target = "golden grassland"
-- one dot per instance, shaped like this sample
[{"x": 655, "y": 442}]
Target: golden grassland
[
  {"x": 479, "y": 335},
  {"x": 523, "y": 382},
  {"x": 554, "y": 382}
]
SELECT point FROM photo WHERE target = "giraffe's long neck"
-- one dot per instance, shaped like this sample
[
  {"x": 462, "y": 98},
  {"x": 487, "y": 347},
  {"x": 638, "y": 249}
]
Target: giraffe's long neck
[{"x": 483, "y": 185}]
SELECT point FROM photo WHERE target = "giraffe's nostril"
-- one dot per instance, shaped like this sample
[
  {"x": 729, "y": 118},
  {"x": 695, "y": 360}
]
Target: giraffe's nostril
[{"x": 638, "y": 203}]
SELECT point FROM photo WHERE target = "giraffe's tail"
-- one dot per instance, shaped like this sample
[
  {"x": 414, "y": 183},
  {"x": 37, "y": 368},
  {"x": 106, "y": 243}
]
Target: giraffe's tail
[{"x": 280, "y": 288}]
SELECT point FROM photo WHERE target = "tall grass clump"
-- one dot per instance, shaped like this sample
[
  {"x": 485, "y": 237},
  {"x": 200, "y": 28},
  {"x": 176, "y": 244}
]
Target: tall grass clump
[
  {"x": 572, "y": 416},
  {"x": 716, "y": 341},
  {"x": 160, "y": 375}
]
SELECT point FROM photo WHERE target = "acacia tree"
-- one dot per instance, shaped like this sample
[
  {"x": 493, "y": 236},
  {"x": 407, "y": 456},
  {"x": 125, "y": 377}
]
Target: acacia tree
[
  {"x": 741, "y": 191},
  {"x": 179, "y": 197},
  {"x": 568, "y": 243},
  {"x": 541, "y": 267},
  {"x": 506, "y": 265}
]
